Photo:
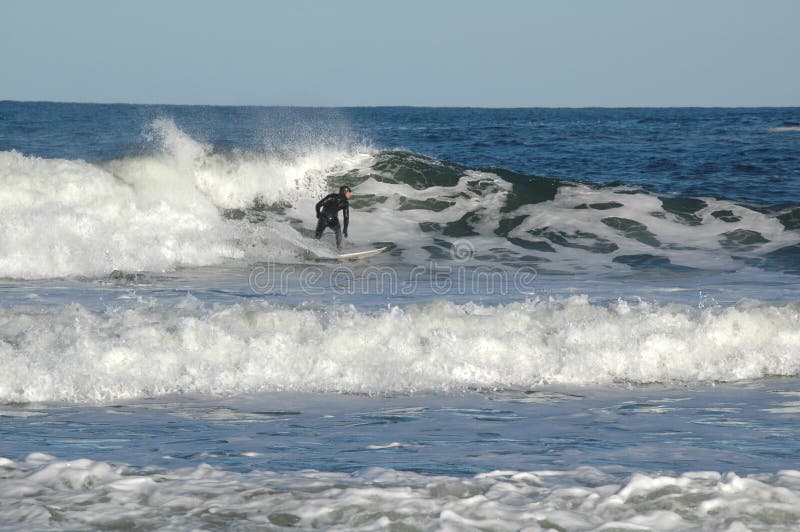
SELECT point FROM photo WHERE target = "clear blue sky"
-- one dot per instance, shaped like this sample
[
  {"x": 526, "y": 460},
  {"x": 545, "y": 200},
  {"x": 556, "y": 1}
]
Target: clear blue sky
[{"x": 493, "y": 53}]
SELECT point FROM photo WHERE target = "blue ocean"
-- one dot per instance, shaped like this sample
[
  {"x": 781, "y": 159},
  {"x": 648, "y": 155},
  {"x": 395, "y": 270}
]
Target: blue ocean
[{"x": 583, "y": 319}]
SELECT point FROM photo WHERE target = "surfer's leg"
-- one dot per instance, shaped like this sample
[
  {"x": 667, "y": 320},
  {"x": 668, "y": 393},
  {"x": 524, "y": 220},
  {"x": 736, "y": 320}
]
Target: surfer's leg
[
  {"x": 338, "y": 229},
  {"x": 320, "y": 227}
]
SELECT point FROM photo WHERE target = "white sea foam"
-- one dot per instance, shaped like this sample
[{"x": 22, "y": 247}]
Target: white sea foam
[
  {"x": 149, "y": 213},
  {"x": 656, "y": 232},
  {"x": 42, "y": 492},
  {"x": 71, "y": 354},
  {"x": 575, "y": 237}
]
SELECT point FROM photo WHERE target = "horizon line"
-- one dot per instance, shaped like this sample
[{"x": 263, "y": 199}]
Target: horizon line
[{"x": 405, "y": 106}]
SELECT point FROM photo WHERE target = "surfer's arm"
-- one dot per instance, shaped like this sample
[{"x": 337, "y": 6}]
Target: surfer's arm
[
  {"x": 346, "y": 217},
  {"x": 318, "y": 206}
]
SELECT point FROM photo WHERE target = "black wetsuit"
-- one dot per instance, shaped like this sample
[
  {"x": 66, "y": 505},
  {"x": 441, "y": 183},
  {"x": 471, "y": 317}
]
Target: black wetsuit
[{"x": 328, "y": 215}]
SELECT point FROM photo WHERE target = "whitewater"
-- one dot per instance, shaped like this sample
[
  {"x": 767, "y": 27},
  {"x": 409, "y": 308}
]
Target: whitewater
[
  {"x": 585, "y": 319},
  {"x": 75, "y": 355}
]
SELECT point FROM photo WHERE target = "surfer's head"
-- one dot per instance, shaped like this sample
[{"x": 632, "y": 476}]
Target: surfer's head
[{"x": 345, "y": 191}]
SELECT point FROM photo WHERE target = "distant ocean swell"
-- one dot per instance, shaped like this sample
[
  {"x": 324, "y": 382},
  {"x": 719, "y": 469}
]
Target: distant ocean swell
[{"x": 68, "y": 353}]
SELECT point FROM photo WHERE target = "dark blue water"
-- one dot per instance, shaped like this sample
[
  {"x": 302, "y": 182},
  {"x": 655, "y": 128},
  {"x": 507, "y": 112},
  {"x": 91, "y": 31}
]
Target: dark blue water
[
  {"x": 748, "y": 155},
  {"x": 653, "y": 334}
]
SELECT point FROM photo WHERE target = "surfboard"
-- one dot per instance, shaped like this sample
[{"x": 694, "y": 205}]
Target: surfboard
[{"x": 354, "y": 255}]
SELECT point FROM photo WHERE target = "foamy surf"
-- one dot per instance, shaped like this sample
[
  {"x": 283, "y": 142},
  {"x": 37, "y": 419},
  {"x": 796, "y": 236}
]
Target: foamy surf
[
  {"x": 42, "y": 491},
  {"x": 68, "y": 353},
  {"x": 151, "y": 212}
]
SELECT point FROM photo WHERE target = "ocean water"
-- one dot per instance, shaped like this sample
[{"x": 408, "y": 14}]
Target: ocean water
[{"x": 585, "y": 319}]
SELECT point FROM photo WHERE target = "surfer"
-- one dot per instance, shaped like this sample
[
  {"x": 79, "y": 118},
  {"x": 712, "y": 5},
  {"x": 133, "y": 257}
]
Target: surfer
[{"x": 328, "y": 213}]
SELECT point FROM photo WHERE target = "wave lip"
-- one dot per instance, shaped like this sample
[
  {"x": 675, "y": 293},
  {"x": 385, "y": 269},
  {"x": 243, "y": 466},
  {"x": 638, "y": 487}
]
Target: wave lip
[
  {"x": 71, "y": 354},
  {"x": 99, "y": 494}
]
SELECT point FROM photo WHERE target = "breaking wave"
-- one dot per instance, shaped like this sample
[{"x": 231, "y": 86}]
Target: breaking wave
[
  {"x": 151, "y": 212},
  {"x": 69, "y": 353},
  {"x": 189, "y": 205}
]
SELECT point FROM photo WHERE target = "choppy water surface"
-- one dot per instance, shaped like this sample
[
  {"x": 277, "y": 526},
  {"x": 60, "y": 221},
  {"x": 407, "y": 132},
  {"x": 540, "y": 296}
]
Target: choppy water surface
[{"x": 584, "y": 318}]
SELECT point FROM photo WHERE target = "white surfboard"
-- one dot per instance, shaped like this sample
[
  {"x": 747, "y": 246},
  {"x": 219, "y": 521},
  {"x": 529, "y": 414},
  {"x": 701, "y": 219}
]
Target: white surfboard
[{"x": 353, "y": 255}]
